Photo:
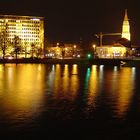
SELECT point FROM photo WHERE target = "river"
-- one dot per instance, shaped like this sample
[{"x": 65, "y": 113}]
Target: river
[{"x": 69, "y": 101}]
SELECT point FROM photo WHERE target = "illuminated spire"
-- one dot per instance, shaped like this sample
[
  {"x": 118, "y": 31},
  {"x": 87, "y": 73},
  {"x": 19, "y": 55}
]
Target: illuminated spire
[
  {"x": 125, "y": 16},
  {"x": 126, "y": 27}
]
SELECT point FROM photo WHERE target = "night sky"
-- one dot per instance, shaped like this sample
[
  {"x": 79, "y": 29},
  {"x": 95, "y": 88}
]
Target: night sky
[{"x": 70, "y": 20}]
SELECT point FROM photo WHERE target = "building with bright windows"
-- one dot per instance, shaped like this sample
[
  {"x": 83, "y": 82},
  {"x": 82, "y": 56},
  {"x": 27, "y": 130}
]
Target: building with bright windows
[
  {"x": 29, "y": 29},
  {"x": 111, "y": 51}
]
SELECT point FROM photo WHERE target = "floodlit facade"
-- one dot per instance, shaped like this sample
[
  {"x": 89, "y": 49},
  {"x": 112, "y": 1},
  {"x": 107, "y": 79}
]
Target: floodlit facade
[
  {"x": 111, "y": 51},
  {"x": 29, "y": 29}
]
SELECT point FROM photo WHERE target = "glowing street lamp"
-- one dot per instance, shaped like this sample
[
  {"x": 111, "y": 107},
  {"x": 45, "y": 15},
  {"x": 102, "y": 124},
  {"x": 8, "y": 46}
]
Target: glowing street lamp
[
  {"x": 74, "y": 46},
  {"x": 94, "y": 47},
  {"x": 57, "y": 44},
  {"x": 74, "y": 50}
]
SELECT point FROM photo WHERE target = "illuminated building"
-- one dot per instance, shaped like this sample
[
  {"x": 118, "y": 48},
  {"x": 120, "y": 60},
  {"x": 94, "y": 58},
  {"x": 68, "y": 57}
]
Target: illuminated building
[
  {"x": 70, "y": 50},
  {"x": 111, "y": 51},
  {"x": 126, "y": 27},
  {"x": 117, "y": 49},
  {"x": 29, "y": 29}
]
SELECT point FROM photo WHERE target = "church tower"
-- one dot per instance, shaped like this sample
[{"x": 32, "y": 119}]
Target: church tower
[{"x": 126, "y": 27}]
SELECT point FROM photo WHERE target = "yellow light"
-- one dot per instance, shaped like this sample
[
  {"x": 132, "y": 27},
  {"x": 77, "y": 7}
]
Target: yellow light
[
  {"x": 94, "y": 46},
  {"x": 74, "y": 69}
]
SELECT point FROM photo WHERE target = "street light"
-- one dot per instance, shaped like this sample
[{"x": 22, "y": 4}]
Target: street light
[
  {"x": 94, "y": 47},
  {"x": 74, "y": 46},
  {"x": 74, "y": 50}
]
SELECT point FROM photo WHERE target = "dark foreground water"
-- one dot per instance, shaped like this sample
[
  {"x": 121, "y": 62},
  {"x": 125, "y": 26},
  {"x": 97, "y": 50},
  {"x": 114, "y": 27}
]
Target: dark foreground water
[{"x": 40, "y": 101}]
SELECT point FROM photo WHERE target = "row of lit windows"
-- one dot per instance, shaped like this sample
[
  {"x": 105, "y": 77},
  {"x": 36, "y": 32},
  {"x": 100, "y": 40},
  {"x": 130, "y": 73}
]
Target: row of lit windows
[
  {"x": 23, "y": 39},
  {"x": 13, "y": 28},
  {"x": 20, "y": 21},
  {"x": 10, "y": 24},
  {"x": 32, "y": 25},
  {"x": 30, "y": 33},
  {"x": 34, "y": 33},
  {"x": 37, "y": 36},
  {"x": 31, "y": 29},
  {"x": 24, "y": 25},
  {"x": 35, "y": 28},
  {"x": 29, "y": 21}
]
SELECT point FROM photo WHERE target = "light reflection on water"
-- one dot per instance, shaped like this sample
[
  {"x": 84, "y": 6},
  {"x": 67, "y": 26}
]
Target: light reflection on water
[
  {"x": 124, "y": 90},
  {"x": 25, "y": 90},
  {"x": 21, "y": 93}
]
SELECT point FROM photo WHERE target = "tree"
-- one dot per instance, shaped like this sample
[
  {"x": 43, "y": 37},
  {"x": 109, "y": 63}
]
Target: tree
[
  {"x": 25, "y": 49},
  {"x": 17, "y": 45},
  {"x": 39, "y": 52},
  {"x": 33, "y": 47},
  {"x": 3, "y": 43}
]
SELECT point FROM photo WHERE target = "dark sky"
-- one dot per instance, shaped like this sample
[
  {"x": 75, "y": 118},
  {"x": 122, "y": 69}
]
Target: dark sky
[{"x": 68, "y": 20}]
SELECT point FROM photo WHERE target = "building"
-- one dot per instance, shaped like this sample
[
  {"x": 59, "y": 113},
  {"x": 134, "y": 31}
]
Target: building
[
  {"x": 63, "y": 50},
  {"x": 117, "y": 50},
  {"x": 29, "y": 29},
  {"x": 111, "y": 51}
]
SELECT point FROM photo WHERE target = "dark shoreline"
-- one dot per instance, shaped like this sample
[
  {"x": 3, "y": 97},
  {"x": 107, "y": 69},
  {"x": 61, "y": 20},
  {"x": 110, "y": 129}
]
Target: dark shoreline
[{"x": 109, "y": 62}]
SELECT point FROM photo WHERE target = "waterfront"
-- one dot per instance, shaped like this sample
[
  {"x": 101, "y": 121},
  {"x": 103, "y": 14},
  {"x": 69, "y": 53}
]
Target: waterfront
[{"x": 69, "y": 101}]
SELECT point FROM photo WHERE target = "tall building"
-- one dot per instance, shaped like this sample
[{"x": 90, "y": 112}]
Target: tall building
[
  {"x": 29, "y": 29},
  {"x": 126, "y": 27}
]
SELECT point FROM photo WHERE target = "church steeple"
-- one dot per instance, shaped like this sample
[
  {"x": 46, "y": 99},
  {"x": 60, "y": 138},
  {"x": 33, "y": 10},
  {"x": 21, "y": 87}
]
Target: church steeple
[
  {"x": 125, "y": 16},
  {"x": 126, "y": 27}
]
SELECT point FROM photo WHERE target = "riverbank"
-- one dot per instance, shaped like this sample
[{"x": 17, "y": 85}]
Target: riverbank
[{"x": 109, "y": 62}]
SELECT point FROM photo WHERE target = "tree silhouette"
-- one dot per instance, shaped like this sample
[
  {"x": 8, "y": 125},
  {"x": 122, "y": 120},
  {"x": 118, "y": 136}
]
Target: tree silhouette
[
  {"x": 17, "y": 45},
  {"x": 3, "y": 43},
  {"x": 33, "y": 48}
]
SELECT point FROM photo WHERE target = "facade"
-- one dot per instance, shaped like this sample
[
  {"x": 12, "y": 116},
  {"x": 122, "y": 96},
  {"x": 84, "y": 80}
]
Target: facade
[
  {"x": 29, "y": 29},
  {"x": 58, "y": 50},
  {"x": 111, "y": 51}
]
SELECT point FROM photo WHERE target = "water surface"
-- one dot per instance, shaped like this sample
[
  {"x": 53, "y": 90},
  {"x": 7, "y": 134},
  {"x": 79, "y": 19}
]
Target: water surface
[{"x": 69, "y": 101}]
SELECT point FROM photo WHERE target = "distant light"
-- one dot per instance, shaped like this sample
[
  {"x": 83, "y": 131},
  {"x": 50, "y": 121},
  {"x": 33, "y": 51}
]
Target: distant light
[
  {"x": 36, "y": 19},
  {"x": 94, "y": 46},
  {"x": 78, "y": 55},
  {"x": 133, "y": 71},
  {"x": 89, "y": 55},
  {"x": 53, "y": 67},
  {"x": 101, "y": 66},
  {"x": 74, "y": 46},
  {"x": 115, "y": 68},
  {"x": 10, "y": 57}
]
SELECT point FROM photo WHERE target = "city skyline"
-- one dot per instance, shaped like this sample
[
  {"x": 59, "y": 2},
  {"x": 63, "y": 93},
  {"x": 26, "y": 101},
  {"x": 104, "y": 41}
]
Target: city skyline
[{"x": 69, "y": 21}]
